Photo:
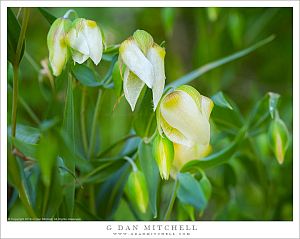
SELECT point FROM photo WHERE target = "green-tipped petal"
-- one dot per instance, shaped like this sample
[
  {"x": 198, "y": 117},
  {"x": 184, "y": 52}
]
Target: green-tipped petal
[
  {"x": 193, "y": 93},
  {"x": 137, "y": 190},
  {"x": 163, "y": 152},
  {"x": 132, "y": 86},
  {"x": 58, "y": 51},
  {"x": 135, "y": 60},
  {"x": 279, "y": 139},
  {"x": 181, "y": 112},
  {"x": 143, "y": 39},
  {"x": 156, "y": 56}
]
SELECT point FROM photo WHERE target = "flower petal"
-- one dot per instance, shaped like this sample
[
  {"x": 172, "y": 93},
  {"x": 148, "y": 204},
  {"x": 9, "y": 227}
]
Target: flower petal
[
  {"x": 58, "y": 52},
  {"x": 182, "y": 113},
  {"x": 143, "y": 39},
  {"x": 93, "y": 39},
  {"x": 184, "y": 154},
  {"x": 76, "y": 39},
  {"x": 206, "y": 106},
  {"x": 135, "y": 60},
  {"x": 156, "y": 56},
  {"x": 79, "y": 57},
  {"x": 132, "y": 86},
  {"x": 173, "y": 134}
]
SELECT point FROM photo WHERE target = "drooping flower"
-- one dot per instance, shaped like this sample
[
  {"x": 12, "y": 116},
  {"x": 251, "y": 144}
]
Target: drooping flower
[
  {"x": 183, "y": 117},
  {"x": 58, "y": 49},
  {"x": 144, "y": 62},
  {"x": 85, "y": 40}
]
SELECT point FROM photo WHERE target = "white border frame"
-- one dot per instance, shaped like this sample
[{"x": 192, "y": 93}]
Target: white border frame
[{"x": 289, "y": 229}]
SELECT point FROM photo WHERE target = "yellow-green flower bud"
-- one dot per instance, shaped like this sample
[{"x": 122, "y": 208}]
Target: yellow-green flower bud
[
  {"x": 163, "y": 151},
  {"x": 278, "y": 138},
  {"x": 144, "y": 62},
  {"x": 136, "y": 190},
  {"x": 85, "y": 41},
  {"x": 58, "y": 50}
]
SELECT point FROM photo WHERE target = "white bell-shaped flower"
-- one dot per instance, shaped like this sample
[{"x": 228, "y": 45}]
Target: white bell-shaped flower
[
  {"x": 58, "y": 50},
  {"x": 144, "y": 61},
  {"x": 85, "y": 40},
  {"x": 183, "y": 117}
]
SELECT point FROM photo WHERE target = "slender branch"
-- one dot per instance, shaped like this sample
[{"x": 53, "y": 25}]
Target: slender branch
[
  {"x": 94, "y": 124},
  {"x": 15, "y": 100},
  {"x": 101, "y": 154},
  {"x": 172, "y": 200}
]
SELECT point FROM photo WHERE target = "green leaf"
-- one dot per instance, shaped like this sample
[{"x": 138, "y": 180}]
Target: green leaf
[
  {"x": 13, "y": 33},
  {"x": 85, "y": 75},
  {"x": 206, "y": 186},
  {"x": 218, "y": 158},
  {"x": 47, "y": 151},
  {"x": 190, "y": 191},
  {"x": 25, "y": 140},
  {"x": 150, "y": 170},
  {"x": 220, "y": 100},
  {"x": 144, "y": 121},
  {"x": 212, "y": 65},
  {"x": 48, "y": 16}
]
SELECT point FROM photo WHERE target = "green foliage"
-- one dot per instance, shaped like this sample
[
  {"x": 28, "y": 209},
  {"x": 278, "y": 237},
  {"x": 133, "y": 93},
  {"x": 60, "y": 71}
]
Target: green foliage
[{"x": 67, "y": 158}]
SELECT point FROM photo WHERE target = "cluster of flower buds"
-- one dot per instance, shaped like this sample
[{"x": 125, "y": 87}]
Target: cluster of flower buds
[{"x": 81, "y": 39}]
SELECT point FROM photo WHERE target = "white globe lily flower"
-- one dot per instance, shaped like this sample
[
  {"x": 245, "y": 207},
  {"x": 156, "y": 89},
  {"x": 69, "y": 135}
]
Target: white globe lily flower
[
  {"x": 58, "y": 50},
  {"x": 144, "y": 62},
  {"x": 85, "y": 41},
  {"x": 183, "y": 117}
]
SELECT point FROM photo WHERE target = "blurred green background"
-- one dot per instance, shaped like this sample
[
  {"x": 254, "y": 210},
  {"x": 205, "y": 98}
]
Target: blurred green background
[{"x": 246, "y": 188}]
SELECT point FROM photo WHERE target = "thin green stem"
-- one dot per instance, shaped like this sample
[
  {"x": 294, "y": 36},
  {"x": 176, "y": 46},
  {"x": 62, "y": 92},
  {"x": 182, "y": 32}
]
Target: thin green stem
[
  {"x": 32, "y": 62},
  {"x": 21, "y": 39},
  {"x": 94, "y": 124},
  {"x": 101, "y": 154},
  {"x": 29, "y": 111},
  {"x": 172, "y": 200},
  {"x": 133, "y": 165},
  {"x": 82, "y": 120},
  {"x": 15, "y": 100}
]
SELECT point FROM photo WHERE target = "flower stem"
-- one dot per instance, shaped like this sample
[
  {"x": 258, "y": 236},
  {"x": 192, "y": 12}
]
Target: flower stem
[
  {"x": 82, "y": 120},
  {"x": 94, "y": 124},
  {"x": 172, "y": 200},
  {"x": 101, "y": 154}
]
